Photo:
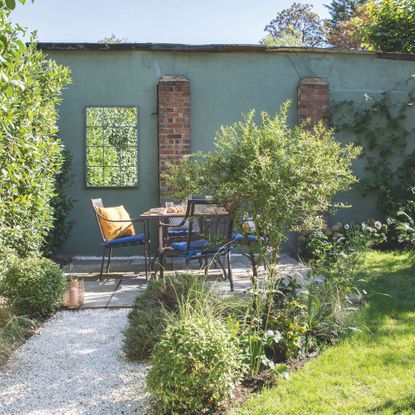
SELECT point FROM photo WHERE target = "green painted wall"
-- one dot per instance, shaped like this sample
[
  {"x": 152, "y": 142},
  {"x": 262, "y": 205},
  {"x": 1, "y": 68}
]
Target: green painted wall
[{"x": 223, "y": 85}]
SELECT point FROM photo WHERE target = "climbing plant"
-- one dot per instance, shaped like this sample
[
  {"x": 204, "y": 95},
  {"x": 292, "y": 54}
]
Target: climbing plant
[{"x": 380, "y": 129}]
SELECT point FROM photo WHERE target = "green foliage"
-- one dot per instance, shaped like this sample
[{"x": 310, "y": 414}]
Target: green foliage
[
  {"x": 337, "y": 256},
  {"x": 342, "y": 10},
  {"x": 147, "y": 319},
  {"x": 391, "y": 26},
  {"x": 289, "y": 38},
  {"x": 30, "y": 153},
  {"x": 33, "y": 286},
  {"x": 402, "y": 225},
  {"x": 368, "y": 371},
  {"x": 342, "y": 242},
  {"x": 299, "y": 24},
  {"x": 111, "y": 139},
  {"x": 380, "y": 129},
  {"x": 13, "y": 331},
  {"x": 338, "y": 252},
  {"x": 62, "y": 205},
  {"x": 281, "y": 178},
  {"x": 195, "y": 366},
  {"x": 10, "y": 4},
  {"x": 287, "y": 316}
]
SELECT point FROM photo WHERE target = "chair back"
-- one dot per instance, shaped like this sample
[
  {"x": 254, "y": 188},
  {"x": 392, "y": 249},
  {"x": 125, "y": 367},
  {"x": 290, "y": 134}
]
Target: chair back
[
  {"x": 98, "y": 203},
  {"x": 216, "y": 229}
]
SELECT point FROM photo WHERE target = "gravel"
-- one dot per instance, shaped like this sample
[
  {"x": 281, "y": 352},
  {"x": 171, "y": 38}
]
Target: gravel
[{"x": 74, "y": 365}]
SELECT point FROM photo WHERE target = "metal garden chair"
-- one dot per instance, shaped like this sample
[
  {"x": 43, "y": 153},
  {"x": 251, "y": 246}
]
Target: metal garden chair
[
  {"x": 142, "y": 239},
  {"x": 208, "y": 239}
]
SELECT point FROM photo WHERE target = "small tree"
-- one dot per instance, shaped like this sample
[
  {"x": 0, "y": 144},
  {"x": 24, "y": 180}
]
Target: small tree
[{"x": 282, "y": 178}]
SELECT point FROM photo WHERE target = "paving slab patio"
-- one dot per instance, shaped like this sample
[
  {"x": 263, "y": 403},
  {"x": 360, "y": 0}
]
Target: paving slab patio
[{"x": 127, "y": 280}]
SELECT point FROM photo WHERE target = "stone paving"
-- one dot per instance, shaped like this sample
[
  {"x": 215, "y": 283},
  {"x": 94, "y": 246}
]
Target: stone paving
[{"x": 127, "y": 278}]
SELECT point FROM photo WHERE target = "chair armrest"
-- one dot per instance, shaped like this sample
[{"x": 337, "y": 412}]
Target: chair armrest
[{"x": 177, "y": 225}]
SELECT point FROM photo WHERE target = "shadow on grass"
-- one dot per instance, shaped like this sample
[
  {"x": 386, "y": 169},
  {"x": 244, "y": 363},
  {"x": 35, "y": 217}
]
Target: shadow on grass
[
  {"x": 401, "y": 406},
  {"x": 391, "y": 288},
  {"x": 390, "y": 315}
]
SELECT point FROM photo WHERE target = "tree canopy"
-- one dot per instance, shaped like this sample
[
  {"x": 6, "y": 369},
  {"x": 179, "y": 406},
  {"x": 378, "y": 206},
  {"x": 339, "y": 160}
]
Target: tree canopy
[
  {"x": 383, "y": 25},
  {"x": 298, "y": 23},
  {"x": 390, "y": 26}
]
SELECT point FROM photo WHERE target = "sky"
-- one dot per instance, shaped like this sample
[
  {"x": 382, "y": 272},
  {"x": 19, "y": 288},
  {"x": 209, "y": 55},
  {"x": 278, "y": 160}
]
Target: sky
[{"x": 163, "y": 21}]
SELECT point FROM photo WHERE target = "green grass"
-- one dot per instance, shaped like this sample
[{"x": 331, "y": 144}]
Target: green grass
[{"x": 371, "y": 372}]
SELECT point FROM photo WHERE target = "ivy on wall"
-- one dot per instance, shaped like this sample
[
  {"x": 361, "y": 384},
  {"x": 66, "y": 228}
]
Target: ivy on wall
[{"x": 380, "y": 128}]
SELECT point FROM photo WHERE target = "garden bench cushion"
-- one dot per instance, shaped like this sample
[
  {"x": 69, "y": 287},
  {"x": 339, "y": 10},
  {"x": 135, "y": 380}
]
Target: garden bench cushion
[
  {"x": 133, "y": 239},
  {"x": 115, "y": 230}
]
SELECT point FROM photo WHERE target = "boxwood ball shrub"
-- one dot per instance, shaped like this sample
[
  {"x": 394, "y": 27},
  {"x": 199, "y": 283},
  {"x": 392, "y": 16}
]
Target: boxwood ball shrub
[
  {"x": 33, "y": 286},
  {"x": 195, "y": 366}
]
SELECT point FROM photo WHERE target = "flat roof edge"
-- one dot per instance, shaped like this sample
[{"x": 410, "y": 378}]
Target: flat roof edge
[{"x": 216, "y": 48}]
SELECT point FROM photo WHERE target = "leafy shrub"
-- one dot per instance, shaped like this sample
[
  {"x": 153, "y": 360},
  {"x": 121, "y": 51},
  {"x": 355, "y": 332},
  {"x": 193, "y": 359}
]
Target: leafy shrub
[
  {"x": 327, "y": 314},
  {"x": 33, "y": 286},
  {"x": 7, "y": 256},
  {"x": 337, "y": 253},
  {"x": 147, "y": 319},
  {"x": 30, "y": 152},
  {"x": 402, "y": 225},
  {"x": 335, "y": 256},
  {"x": 195, "y": 366},
  {"x": 282, "y": 178}
]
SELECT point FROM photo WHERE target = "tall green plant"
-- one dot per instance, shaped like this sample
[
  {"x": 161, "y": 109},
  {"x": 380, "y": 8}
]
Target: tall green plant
[
  {"x": 30, "y": 156},
  {"x": 281, "y": 177}
]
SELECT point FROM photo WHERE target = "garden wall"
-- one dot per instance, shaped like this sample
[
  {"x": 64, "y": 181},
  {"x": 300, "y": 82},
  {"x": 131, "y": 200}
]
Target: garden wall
[{"x": 222, "y": 83}]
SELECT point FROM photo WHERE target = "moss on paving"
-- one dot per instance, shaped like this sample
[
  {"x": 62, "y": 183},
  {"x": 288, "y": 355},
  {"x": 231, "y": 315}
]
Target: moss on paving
[{"x": 371, "y": 372}]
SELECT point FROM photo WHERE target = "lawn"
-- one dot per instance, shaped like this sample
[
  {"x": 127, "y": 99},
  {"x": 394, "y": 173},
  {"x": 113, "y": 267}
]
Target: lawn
[{"x": 371, "y": 372}]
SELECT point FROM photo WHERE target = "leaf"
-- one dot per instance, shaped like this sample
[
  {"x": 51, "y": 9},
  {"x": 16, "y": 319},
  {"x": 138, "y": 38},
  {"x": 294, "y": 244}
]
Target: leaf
[
  {"x": 11, "y": 4},
  {"x": 18, "y": 83}
]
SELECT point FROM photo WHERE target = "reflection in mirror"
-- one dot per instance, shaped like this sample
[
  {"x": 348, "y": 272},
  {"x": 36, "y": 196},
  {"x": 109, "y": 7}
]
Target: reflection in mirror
[{"x": 111, "y": 147}]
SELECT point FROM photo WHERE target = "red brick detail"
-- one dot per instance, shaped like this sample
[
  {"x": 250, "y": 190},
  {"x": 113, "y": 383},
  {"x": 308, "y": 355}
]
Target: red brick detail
[
  {"x": 173, "y": 124},
  {"x": 313, "y": 100}
]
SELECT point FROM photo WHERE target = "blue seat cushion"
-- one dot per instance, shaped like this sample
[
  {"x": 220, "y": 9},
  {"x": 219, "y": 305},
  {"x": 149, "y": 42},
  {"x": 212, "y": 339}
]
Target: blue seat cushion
[
  {"x": 239, "y": 237},
  {"x": 178, "y": 232},
  {"x": 198, "y": 247},
  {"x": 133, "y": 239}
]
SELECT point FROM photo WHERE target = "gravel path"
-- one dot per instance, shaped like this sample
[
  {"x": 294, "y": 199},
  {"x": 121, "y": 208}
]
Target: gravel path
[{"x": 74, "y": 365}]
